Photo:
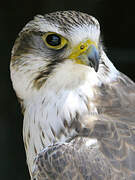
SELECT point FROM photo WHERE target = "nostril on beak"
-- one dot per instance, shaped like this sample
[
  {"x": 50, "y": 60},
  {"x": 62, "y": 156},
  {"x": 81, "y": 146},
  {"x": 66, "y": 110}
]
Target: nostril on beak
[{"x": 82, "y": 46}]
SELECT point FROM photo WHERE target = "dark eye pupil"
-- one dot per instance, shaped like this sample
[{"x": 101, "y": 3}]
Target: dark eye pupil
[{"x": 53, "y": 40}]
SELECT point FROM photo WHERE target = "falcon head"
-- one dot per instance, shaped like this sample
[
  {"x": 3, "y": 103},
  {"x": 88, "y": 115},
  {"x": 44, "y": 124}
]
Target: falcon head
[{"x": 59, "y": 49}]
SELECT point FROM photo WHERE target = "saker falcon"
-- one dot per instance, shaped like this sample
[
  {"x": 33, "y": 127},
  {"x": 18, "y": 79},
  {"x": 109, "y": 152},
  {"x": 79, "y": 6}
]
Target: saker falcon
[{"x": 79, "y": 110}]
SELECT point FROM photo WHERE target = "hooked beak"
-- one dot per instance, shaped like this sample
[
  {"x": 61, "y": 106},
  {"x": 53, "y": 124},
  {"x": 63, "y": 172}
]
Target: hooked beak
[
  {"x": 93, "y": 57},
  {"x": 86, "y": 53}
]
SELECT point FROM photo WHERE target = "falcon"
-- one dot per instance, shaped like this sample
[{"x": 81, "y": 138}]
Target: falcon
[{"x": 79, "y": 110}]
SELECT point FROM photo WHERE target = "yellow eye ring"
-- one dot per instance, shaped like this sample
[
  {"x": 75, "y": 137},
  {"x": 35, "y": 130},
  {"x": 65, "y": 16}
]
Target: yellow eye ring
[{"x": 54, "y": 40}]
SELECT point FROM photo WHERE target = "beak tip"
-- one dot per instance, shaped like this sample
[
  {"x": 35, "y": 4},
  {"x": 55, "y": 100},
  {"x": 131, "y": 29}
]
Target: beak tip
[
  {"x": 94, "y": 58},
  {"x": 96, "y": 68},
  {"x": 94, "y": 63}
]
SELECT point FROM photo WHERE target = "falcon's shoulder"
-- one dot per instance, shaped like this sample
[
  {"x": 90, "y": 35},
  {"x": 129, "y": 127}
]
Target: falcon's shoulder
[{"x": 115, "y": 125}]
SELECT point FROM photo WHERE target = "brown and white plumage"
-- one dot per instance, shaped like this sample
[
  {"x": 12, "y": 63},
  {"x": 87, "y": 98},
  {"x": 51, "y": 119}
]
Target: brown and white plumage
[{"x": 79, "y": 114}]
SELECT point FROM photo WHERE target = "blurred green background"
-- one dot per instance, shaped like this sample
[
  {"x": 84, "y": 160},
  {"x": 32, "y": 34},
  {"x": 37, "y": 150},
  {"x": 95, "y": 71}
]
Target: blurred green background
[{"x": 117, "y": 19}]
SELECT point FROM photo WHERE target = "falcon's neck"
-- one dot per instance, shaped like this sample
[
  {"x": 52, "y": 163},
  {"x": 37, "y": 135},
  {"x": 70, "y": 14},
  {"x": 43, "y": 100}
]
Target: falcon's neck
[{"x": 53, "y": 112}]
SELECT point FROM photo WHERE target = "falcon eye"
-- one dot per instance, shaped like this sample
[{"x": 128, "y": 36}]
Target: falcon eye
[{"x": 54, "y": 41}]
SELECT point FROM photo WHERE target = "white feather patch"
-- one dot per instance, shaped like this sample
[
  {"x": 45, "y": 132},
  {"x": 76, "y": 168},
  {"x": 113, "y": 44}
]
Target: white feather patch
[{"x": 91, "y": 142}]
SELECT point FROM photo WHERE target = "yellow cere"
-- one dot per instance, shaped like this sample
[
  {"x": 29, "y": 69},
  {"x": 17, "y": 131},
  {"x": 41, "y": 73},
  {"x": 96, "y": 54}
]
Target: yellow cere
[{"x": 81, "y": 48}]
